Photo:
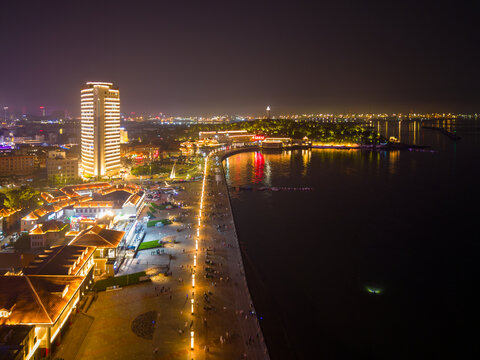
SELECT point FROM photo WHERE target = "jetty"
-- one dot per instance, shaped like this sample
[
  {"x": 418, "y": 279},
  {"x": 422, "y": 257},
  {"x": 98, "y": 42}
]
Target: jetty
[
  {"x": 273, "y": 188},
  {"x": 445, "y": 132}
]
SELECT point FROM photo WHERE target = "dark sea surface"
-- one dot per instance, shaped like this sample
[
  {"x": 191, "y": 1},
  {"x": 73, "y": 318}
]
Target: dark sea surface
[{"x": 403, "y": 224}]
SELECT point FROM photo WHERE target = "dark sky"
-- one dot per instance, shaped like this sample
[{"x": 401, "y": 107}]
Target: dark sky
[{"x": 235, "y": 57}]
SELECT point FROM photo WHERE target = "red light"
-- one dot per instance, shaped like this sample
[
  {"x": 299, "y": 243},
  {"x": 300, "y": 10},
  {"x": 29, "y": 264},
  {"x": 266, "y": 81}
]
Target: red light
[
  {"x": 42, "y": 107},
  {"x": 258, "y": 137}
]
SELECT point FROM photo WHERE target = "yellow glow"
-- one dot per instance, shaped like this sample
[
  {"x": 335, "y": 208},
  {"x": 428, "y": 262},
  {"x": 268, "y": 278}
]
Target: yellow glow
[
  {"x": 191, "y": 340},
  {"x": 34, "y": 348}
]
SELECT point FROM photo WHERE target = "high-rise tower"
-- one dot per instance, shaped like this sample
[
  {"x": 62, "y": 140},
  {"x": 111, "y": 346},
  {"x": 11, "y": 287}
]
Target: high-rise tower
[{"x": 100, "y": 134}]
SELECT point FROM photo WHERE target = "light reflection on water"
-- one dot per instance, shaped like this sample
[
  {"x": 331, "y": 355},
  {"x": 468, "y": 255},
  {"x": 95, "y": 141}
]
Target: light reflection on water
[{"x": 399, "y": 220}]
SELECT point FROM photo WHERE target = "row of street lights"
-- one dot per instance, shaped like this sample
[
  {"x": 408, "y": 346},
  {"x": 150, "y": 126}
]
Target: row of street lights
[{"x": 192, "y": 333}]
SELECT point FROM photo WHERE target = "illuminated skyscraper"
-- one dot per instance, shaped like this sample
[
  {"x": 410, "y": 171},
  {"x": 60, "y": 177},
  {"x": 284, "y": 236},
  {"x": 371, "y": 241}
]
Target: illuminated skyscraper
[{"x": 100, "y": 134}]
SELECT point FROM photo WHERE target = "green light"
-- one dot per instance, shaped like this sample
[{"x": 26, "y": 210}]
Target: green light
[{"x": 373, "y": 290}]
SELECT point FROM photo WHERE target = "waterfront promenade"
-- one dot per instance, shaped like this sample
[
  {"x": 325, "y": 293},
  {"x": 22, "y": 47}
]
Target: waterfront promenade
[
  {"x": 154, "y": 320},
  {"x": 220, "y": 214}
]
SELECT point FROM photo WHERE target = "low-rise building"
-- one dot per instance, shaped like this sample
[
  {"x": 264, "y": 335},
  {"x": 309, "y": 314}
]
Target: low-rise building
[
  {"x": 13, "y": 263},
  {"x": 16, "y": 165},
  {"x": 44, "y": 213},
  {"x": 8, "y": 217},
  {"x": 63, "y": 260},
  {"x": 87, "y": 201},
  {"x": 17, "y": 342},
  {"x": 47, "y": 234},
  {"x": 42, "y": 301},
  {"x": 107, "y": 244},
  {"x": 43, "y": 296},
  {"x": 61, "y": 167}
]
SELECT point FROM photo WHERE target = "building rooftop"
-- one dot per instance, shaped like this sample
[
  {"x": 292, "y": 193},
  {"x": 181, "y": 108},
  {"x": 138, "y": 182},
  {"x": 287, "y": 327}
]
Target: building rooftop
[
  {"x": 116, "y": 197},
  {"x": 98, "y": 237},
  {"x": 6, "y": 212},
  {"x": 94, "y": 204},
  {"x": 53, "y": 196},
  {"x": 60, "y": 260},
  {"x": 14, "y": 262},
  {"x": 48, "y": 226},
  {"x": 72, "y": 190},
  {"x": 33, "y": 299}
]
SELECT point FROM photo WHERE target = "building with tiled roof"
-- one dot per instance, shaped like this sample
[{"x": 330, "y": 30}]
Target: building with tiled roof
[
  {"x": 17, "y": 342},
  {"x": 107, "y": 243},
  {"x": 7, "y": 218},
  {"x": 47, "y": 234},
  {"x": 76, "y": 190},
  {"x": 54, "y": 196},
  {"x": 62, "y": 260},
  {"x": 44, "y": 301},
  {"x": 87, "y": 201},
  {"x": 99, "y": 237},
  {"x": 13, "y": 263}
]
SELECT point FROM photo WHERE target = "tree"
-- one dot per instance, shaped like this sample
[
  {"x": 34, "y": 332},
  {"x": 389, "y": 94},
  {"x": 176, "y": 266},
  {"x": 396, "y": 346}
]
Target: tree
[{"x": 20, "y": 198}]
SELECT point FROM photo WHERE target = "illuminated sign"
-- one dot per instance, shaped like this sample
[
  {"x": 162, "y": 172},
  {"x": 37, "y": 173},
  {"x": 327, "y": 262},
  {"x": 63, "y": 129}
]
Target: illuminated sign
[{"x": 258, "y": 137}]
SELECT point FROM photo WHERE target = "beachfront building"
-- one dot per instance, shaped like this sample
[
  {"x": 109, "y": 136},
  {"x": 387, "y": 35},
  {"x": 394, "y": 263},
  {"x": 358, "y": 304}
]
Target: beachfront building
[
  {"x": 276, "y": 143},
  {"x": 227, "y": 137},
  {"x": 100, "y": 130}
]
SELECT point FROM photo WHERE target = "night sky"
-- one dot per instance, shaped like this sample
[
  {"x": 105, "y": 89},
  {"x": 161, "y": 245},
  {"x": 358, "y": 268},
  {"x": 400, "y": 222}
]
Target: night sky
[{"x": 235, "y": 57}]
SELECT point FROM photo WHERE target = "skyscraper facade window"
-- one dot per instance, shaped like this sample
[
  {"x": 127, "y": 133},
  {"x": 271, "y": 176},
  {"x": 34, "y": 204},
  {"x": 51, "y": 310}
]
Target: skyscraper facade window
[{"x": 100, "y": 130}]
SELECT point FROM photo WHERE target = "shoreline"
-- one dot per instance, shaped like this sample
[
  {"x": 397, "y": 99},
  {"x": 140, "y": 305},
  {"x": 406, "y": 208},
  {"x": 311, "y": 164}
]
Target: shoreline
[{"x": 243, "y": 297}]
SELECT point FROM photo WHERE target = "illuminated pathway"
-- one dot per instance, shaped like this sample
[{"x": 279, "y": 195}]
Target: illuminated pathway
[{"x": 231, "y": 296}]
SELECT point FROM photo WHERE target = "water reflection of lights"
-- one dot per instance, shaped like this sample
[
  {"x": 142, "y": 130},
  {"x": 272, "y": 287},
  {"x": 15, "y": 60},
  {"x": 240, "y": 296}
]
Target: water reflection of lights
[
  {"x": 306, "y": 157},
  {"x": 258, "y": 169}
]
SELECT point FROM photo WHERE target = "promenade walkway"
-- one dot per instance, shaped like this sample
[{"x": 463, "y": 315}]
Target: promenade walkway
[
  {"x": 220, "y": 214},
  {"x": 223, "y": 321}
]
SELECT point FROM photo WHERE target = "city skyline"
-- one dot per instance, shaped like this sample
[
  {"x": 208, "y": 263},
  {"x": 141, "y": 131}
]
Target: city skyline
[{"x": 212, "y": 58}]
